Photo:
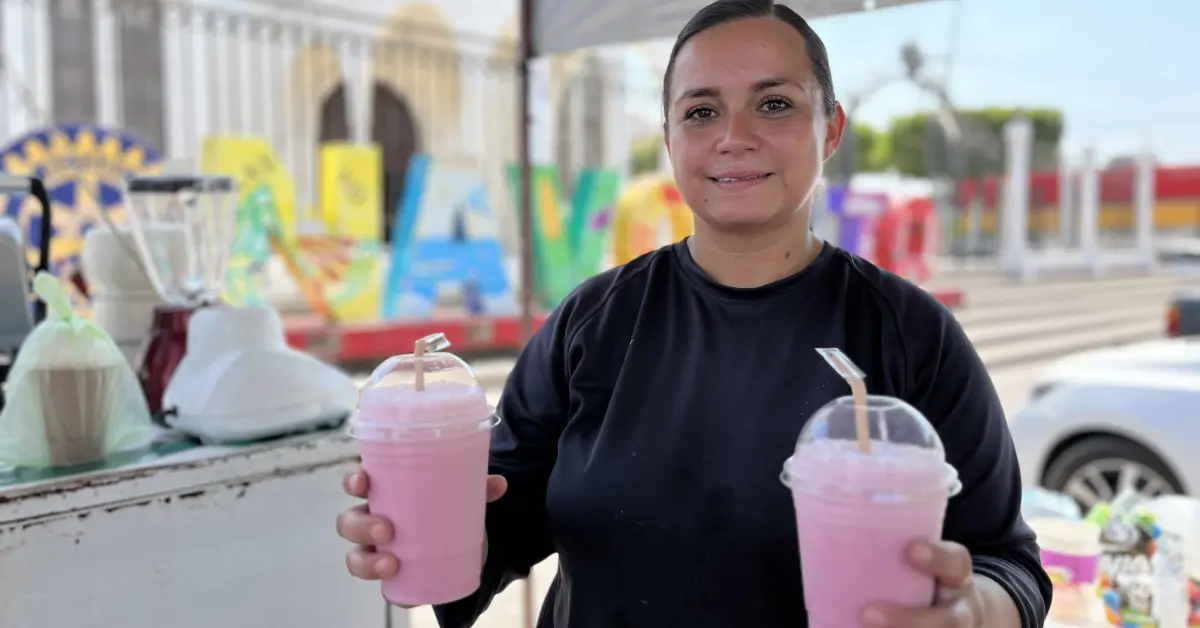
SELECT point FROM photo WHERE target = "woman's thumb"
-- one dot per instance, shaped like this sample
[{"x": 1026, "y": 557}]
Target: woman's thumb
[{"x": 496, "y": 487}]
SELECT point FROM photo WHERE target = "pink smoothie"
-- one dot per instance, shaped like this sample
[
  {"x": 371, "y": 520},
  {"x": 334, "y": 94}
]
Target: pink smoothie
[
  {"x": 426, "y": 454},
  {"x": 855, "y": 516}
]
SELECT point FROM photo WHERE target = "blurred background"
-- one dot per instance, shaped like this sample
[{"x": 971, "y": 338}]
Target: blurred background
[{"x": 1035, "y": 165}]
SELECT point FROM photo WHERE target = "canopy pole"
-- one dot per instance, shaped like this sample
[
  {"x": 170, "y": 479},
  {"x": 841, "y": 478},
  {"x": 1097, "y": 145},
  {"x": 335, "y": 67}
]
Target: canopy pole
[
  {"x": 525, "y": 204},
  {"x": 525, "y": 212}
]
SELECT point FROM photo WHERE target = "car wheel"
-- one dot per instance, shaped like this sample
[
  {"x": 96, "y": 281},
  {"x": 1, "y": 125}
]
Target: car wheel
[{"x": 1096, "y": 469}]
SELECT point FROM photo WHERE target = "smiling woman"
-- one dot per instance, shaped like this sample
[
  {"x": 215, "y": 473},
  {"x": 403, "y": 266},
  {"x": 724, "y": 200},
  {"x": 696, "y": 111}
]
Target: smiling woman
[
  {"x": 748, "y": 148},
  {"x": 644, "y": 426}
]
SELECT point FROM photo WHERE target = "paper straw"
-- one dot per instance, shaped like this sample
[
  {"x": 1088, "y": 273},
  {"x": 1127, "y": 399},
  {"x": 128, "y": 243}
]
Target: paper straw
[
  {"x": 858, "y": 388},
  {"x": 419, "y": 364}
]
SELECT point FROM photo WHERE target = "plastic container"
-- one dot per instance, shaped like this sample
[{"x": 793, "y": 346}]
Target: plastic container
[
  {"x": 1071, "y": 557},
  {"x": 423, "y": 427},
  {"x": 857, "y": 512}
]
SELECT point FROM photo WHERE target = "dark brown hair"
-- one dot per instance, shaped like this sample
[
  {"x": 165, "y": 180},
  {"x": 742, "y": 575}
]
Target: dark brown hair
[{"x": 725, "y": 11}]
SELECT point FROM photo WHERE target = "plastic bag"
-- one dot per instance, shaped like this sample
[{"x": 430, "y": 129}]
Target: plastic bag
[{"x": 72, "y": 397}]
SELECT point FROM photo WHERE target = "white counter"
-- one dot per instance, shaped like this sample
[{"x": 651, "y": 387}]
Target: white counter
[{"x": 201, "y": 538}]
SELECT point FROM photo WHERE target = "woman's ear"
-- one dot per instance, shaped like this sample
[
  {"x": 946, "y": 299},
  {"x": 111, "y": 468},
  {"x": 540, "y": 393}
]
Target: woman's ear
[{"x": 834, "y": 127}]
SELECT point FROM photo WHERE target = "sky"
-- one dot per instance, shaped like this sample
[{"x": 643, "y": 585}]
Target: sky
[{"x": 1125, "y": 76}]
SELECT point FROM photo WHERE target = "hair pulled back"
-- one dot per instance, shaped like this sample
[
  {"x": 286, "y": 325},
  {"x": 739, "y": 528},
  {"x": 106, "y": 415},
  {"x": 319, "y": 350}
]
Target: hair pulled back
[{"x": 725, "y": 11}]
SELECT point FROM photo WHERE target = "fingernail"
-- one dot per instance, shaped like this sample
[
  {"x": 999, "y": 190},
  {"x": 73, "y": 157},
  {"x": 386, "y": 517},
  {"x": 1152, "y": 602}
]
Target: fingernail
[
  {"x": 922, "y": 553},
  {"x": 383, "y": 565},
  {"x": 379, "y": 533},
  {"x": 874, "y": 617}
]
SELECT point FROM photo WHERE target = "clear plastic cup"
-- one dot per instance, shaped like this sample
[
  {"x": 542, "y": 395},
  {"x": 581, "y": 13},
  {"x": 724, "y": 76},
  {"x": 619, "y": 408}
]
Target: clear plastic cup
[
  {"x": 423, "y": 427},
  {"x": 857, "y": 512}
]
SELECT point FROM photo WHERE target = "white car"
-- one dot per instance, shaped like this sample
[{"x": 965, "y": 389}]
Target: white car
[{"x": 1126, "y": 417}]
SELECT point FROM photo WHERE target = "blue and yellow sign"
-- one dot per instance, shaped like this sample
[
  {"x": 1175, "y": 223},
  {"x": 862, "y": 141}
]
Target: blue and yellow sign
[{"x": 83, "y": 166}]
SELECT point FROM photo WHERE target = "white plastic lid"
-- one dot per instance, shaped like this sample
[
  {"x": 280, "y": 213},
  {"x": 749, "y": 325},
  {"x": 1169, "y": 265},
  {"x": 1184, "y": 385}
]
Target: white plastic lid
[
  {"x": 427, "y": 393},
  {"x": 1067, "y": 536},
  {"x": 905, "y": 460}
]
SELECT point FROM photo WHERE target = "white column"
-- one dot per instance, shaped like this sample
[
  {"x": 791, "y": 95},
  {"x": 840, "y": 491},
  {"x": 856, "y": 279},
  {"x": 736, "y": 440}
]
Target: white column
[
  {"x": 617, "y": 151},
  {"x": 575, "y": 99},
  {"x": 174, "y": 90},
  {"x": 355, "y": 57},
  {"x": 220, "y": 77},
  {"x": 108, "y": 82},
  {"x": 39, "y": 77},
  {"x": 1066, "y": 203},
  {"x": 13, "y": 111},
  {"x": 306, "y": 140},
  {"x": 268, "y": 116},
  {"x": 249, "y": 85},
  {"x": 478, "y": 140},
  {"x": 1014, "y": 219},
  {"x": 1089, "y": 208},
  {"x": 1144, "y": 202},
  {"x": 285, "y": 58},
  {"x": 541, "y": 118},
  {"x": 201, "y": 122}
]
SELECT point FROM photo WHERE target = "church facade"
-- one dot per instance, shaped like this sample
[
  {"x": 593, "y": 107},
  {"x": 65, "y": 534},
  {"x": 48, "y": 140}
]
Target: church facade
[{"x": 434, "y": 77}]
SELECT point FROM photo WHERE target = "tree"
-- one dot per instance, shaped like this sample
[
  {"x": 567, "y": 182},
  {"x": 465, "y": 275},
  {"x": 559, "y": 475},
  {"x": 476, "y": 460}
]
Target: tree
[
  {"x": 919, "y": 146},
  {"x": 865, "y": 147},
  {"x": 644, "y": 155},
  {"x": 874, "y": 149}
]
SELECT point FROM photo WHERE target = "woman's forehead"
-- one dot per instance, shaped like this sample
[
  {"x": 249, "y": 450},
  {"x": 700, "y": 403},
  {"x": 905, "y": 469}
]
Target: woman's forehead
[{"x": 741, "y": 54}]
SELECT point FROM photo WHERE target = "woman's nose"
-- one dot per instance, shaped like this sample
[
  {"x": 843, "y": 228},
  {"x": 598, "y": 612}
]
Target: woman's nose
[{"x": 739, "y": 135}]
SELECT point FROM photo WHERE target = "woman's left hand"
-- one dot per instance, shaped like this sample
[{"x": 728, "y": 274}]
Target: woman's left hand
[{"x": 956, "y": 605}]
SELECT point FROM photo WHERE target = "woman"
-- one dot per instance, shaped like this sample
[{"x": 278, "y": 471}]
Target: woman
[{"x": 645, "y": 423}]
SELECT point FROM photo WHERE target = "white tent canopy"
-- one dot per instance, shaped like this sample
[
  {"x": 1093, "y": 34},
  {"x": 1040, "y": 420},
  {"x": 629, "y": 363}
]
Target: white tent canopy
[{"x": 566, "y": 25}]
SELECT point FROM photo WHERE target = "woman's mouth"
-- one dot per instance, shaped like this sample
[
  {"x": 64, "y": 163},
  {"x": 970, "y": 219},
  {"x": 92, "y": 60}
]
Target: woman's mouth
[{"x": 739, "y": 180}]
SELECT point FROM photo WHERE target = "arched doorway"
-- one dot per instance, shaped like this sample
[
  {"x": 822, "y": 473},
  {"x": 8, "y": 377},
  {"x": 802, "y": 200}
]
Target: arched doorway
[
  {"x": 335, "y": 123},
  {"x": 395, "y": 131}
]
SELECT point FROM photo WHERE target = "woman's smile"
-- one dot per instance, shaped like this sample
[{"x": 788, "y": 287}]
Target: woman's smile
[{"x": 739, "y": 180}]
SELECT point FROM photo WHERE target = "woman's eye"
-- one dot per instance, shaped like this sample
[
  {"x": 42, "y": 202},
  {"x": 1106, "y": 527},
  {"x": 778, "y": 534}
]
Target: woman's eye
[
  {"x": 776, "y": 104},
  {"x": 700, "y": 113}
]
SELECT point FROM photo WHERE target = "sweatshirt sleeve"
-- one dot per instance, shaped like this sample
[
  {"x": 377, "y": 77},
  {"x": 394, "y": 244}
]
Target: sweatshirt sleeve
[
  {"x": 949, "y": 383},
  {"x": 533, "y": 411}
]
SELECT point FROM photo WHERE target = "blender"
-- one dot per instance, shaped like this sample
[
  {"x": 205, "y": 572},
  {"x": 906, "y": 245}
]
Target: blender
[
  {"x": 182, "y": 228},
  {"x": 218, "y": 372}
]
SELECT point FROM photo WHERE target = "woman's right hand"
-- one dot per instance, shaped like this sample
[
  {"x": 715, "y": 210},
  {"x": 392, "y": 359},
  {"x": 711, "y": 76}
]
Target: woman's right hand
[{"x": 366, "y": 530}]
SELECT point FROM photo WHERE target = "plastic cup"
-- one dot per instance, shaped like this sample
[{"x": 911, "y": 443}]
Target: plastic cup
[
  {"x": 77, "y": 403},
  {"x": 857, "y": 513},
  {"x": 1070, "y": 552},
  {"x": 423, "y": 427}
]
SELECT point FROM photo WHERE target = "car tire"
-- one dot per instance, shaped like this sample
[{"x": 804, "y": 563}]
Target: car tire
[{"x": 1095, "y": 448}]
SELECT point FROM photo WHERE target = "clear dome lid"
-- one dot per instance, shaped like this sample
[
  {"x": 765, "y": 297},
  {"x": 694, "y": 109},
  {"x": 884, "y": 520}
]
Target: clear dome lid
[
  {"x": 428, "y": 392},
  {"x": 900, "y": 455}
]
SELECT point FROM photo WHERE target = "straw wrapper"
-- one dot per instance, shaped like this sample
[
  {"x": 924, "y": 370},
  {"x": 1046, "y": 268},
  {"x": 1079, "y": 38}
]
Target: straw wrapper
[{"x": 854, "y": 377}]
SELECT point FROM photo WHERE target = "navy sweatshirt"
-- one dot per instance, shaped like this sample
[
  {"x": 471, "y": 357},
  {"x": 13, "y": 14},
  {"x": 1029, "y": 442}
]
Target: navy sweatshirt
[{"x": 645, "y": 425}]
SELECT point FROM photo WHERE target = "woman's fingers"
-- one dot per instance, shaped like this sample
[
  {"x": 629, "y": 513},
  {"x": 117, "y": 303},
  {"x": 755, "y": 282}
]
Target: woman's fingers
[
  {"x": 496, "y": 487},
  {"x": 355, "y": 484},
  {"x": 368, "y": 565},
  {"x": 360, "y": 527}
]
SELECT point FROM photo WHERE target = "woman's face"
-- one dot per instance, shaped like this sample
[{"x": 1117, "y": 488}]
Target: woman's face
[{"x": 745, "y": 130}]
